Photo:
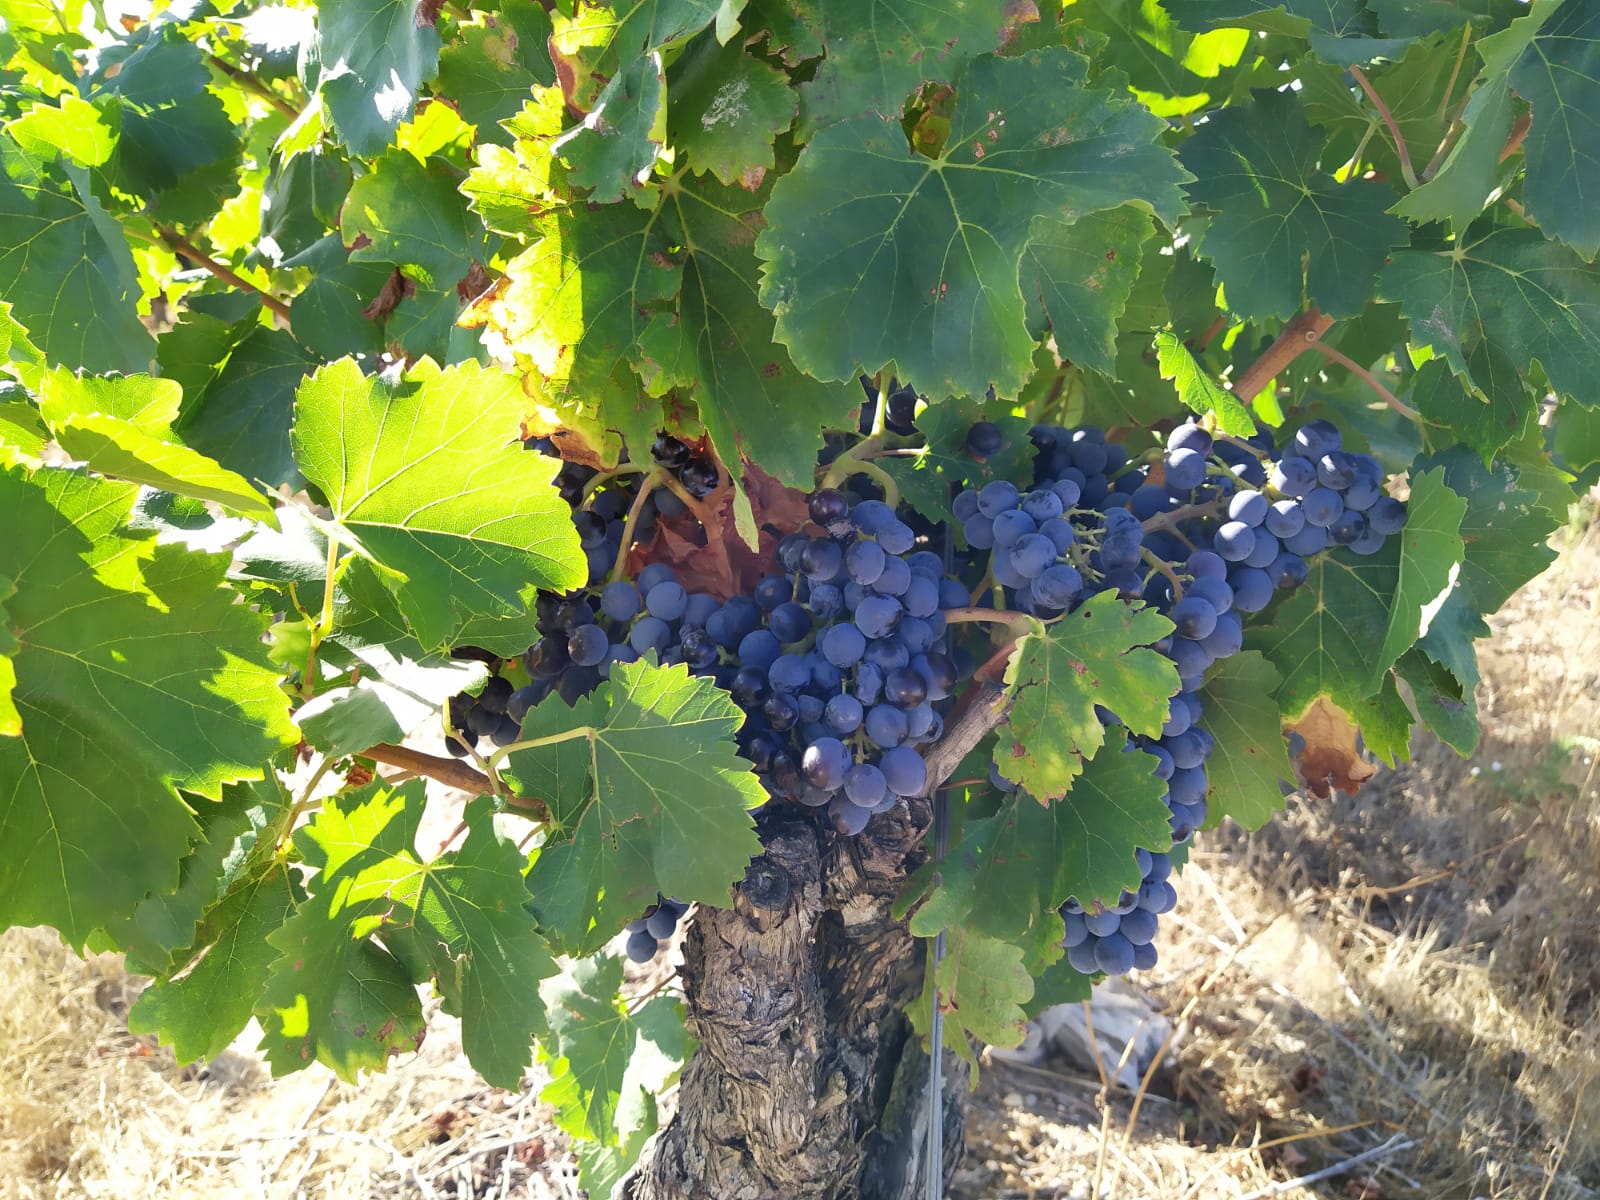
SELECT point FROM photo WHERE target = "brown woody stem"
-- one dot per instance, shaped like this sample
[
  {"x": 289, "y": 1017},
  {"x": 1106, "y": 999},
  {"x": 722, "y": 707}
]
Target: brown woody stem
[
  {"x": 181, "y": 245},
  {"x": 1294, "y": 338},
  {"x": 451, "y": 772},
  {"x": 1368, "y": 378}
]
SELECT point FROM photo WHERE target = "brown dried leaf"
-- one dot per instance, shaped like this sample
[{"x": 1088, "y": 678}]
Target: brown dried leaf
[
  {"x": 474, "y": 283},
  {"x": 395, "y": 289},
  {"x": 1331, "y": 757}
]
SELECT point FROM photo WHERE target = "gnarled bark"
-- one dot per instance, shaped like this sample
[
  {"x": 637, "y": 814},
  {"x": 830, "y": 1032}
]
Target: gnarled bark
[{"x": 807, "y": 1084}]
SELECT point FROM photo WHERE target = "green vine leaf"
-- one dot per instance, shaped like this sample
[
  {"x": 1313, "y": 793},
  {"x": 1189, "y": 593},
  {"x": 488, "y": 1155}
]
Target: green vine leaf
[
  {"x": 727, "y": 106},
  {"x": 877, "y": 52},
  {"x": 73, "y": 128},
  {"x": 1511, "y": 292},
  {"x": 560, "y": 309},
  {"x": 374, "y": 55},
  {"x": 1077, "y": 277},
  {"x": 458, "y": 920},
  {"x": 1344, "y": 32},
  {"x": 1341, "y": 631},
  {"x": 1198, "y": 391},
  {"x": 1283, "y": 232},
  {"x": 1251, "y": 756},
  {"x": 425, "y": 475},
  {"x": 645, "y": 780},
  {"x": 1559, "y": 75},
  {"x": 1095, "y": 655},
  {"x": 1027, "y": 138},
  {"x": 1008, "y": 873},
  {"x": 494, "y": 62},
  {"x": 200, "y": 1013},
  {"x": 135, "y": 675},
  {"x": 54, "y": 228},
  {"x": 174, "y": 135},
  {"x": 610, "y": 1062},
  {"x": 122, "y": 426}
]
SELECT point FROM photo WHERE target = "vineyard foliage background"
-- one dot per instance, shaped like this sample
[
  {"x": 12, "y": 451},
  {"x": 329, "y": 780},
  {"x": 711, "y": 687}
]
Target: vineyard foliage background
[{"x": 284, "y": 286}]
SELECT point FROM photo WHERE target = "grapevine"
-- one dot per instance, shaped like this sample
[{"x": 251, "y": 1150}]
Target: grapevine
[{"x": 850, "y": 492}]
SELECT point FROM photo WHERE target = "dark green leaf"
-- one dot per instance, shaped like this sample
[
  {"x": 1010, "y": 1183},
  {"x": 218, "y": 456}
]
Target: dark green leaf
[
  {"x": 1341, "y": 631},
  {"x": 1009, "y": 872},
  {"x": 1284, "y": 232},
  {"x": 1077, "y": 277},
  {"x": 1341, "y": 31},
  {"x": 199, "y": 1013},
  {"x": 1251, "y": 756},
  {"x": 931, "y": 280},
  {"x": 242, "y": 418},
  {"x": 880, "y": 51},
  {"x": 1505, "y": 528},
  {"x": 492, "y": 67},
  {"x": 67, "y": 272},
  {"x": 411, "y": 214},
  {"x": 374, "y": 54},
  {"x": 1559, "y": 74},
  {"x": 1531, "y": 299},
  {"x": 1440, "y": 702},
  {"x": 172, "y": 126},
  {"x": 1487, "y": 422},
  {"x": 726, "y": 108}
]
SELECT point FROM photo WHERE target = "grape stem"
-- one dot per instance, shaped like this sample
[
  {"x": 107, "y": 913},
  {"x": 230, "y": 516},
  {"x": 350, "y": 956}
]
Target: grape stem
[
  {"x": 252, "y": 84},
  {"x": 1406, "y": 170},
  {"x": 174, "y": 241},
  {"x": 301, "y": 803},
  {"x": 1164, "y": 568},
  {"x": 1368, "y": 378},
  {"x": 453, "y": 773},
  {"x": 854, "y": 462},
  {"x": 567, "y": 735},
  {"x": 323, "y": 625},
  {"x": 605, "y": 477},
  {"x": 1177, "y": 516},
  {"x": 996, "y": 616},
  {"x": 646, "y": 486},
  {"x": 1294, "y": 338}
]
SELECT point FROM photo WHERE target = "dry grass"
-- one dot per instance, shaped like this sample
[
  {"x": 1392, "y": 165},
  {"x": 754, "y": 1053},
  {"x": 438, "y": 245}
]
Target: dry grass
[
  {"x": 1414, "y": 971},
  {"x": 89, "y": 1110}
]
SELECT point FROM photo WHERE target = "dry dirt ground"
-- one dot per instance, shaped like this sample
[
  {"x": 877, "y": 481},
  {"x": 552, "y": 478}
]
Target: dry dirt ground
[{"x": 1393, "y": 995}]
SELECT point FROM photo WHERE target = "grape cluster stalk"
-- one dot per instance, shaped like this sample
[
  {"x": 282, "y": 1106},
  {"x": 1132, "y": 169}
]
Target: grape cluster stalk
[{"x": 845, "y": 664}]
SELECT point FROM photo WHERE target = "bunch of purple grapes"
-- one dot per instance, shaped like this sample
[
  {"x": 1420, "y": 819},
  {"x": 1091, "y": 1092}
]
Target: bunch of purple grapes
[
  {"x": 845, "y": 665},
  {"x": 1206, "y": 532}
]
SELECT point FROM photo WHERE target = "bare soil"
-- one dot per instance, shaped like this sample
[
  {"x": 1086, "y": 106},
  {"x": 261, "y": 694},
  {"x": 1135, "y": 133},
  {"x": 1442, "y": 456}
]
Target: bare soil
[{"x": 1397, "y": 993}]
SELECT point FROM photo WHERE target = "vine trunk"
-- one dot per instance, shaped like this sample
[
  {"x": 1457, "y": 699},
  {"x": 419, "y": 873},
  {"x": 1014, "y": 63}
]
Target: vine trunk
[{"x": 808, "y": 1083}]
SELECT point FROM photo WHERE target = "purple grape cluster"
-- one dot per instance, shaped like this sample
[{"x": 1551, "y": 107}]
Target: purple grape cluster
[
  {"x": 844, "y": 673},
  {"x": 1206, "y": 531}
]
